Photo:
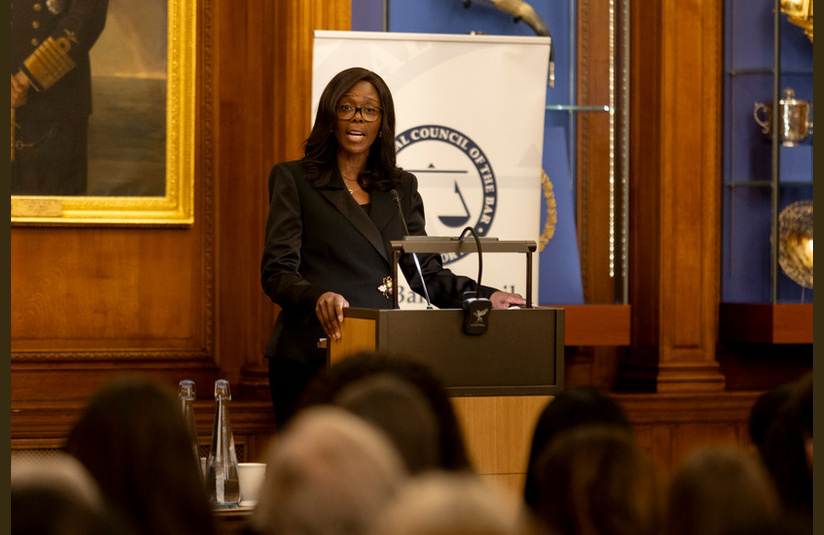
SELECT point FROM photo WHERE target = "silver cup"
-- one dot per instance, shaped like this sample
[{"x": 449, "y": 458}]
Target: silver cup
[{"x": 794, "y": 116}]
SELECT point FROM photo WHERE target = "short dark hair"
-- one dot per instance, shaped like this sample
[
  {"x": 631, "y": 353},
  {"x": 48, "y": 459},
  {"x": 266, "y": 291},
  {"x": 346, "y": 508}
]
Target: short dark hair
[
  {"x": 320, "y": 148},
  {"x": 573, "y": 408},
  {"x": 130, "y": 431},
  {"x": 326, "y": 386}
]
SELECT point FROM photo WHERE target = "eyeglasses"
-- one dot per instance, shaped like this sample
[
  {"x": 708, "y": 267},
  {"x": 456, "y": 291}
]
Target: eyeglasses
[{"x": 346, "y": 112}]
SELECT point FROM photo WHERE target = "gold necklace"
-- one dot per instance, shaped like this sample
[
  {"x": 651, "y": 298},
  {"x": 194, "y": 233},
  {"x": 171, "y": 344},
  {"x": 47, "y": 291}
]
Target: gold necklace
[{"x": 351, "y": 191}]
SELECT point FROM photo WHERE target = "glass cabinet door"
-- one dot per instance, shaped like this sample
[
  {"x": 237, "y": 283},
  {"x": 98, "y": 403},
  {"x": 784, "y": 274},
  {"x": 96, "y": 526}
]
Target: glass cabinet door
[{"x": 768, "y": 179}]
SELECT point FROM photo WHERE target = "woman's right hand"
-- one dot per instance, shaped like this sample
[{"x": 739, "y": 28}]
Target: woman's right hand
[{"x": 329, "y": 310}]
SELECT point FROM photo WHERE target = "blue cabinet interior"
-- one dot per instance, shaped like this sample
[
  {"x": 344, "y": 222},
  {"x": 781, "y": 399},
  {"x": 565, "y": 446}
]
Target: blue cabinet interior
[
  {"x": 750, "y": 45},
  {"x": 559, "y": 267},
  {"x": 749, "y": 69}
]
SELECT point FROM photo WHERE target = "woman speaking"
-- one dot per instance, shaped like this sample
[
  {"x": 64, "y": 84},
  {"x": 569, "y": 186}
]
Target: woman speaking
[{"x": 331, "y": 217}]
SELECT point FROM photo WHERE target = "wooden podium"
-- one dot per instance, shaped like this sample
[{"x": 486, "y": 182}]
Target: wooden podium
[
  {"x": 499, "y": 381},
  {"x": 520, "y": 354}
]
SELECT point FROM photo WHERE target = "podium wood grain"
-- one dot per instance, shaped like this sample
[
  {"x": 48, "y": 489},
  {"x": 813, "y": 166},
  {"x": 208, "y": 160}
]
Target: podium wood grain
[
  {"x": 498, "y": 434},
  {"x": 357, "y": 335}
]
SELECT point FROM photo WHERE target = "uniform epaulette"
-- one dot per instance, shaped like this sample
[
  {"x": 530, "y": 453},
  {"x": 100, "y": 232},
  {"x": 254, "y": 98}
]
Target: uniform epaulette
[{"x": 49, "y": 63}]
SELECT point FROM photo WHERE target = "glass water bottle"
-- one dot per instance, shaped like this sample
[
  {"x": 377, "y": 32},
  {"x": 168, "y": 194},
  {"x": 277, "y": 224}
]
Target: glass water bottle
[
  {"x": 186, "y": 395},
  {"x": 222, "y": 468}
]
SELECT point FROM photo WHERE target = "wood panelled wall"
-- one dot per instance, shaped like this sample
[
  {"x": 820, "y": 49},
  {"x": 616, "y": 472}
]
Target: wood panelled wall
[
  {"x": 88, "y": 303},
  {"x": 174, "y": 303}
]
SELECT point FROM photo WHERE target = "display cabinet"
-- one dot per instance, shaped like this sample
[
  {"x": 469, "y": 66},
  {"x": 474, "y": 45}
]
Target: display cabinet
[
  {"x": 767, "y": 283},
  {"x": 583, "y": 260}
]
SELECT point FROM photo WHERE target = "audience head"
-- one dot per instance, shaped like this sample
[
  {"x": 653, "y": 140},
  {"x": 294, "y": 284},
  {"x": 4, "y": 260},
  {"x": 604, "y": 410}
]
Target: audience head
[
  {"x": 448, "y": 503},
  {"x": 400, "y": 409},
  {"x": 56, "y": 496},
  {"x": 764, "y": 412},
  {"x": 720, "y": 490},
  {"x": 330, "y": 472},
  {"x": 596, "y": 480},
  {"x": 134, "y": 441},
  {"x": 787, "y": 449},
  {"x": 573, "y": 408},
  {"x": 401, "y": 397}
]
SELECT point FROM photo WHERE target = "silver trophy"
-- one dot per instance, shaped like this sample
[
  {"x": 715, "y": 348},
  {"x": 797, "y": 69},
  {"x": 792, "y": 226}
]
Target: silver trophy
[{"x": 793, "y": 114}]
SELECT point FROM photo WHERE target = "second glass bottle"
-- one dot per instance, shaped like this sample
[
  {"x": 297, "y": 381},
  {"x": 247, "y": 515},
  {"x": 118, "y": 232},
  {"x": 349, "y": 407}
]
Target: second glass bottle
[{"x": 222, "y": 468}]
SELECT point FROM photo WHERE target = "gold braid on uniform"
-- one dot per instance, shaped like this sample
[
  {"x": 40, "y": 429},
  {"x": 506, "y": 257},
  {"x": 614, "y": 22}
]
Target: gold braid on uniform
[{"x": 49, "y": 63}]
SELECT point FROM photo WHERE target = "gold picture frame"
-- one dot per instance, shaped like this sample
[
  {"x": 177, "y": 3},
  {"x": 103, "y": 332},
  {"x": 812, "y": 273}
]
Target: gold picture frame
[{"x": 175, "y": 207}]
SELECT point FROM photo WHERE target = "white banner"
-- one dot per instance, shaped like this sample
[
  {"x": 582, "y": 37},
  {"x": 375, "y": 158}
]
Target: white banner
[{"x": 470, "y": 121}]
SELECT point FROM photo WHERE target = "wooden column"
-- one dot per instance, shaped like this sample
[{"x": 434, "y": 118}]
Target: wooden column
[
  {"x": 675, "y": 185},
  {"x": 261, "y": 69}
]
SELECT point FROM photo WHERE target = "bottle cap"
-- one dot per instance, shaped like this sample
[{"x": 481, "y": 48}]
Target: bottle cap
[
  {"x": 222, "y": 389},
  {"x": 186, "y": 390}
]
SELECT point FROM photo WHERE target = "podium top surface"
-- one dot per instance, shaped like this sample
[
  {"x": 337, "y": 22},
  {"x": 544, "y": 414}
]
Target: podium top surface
[{"x": 436, "y": 244}]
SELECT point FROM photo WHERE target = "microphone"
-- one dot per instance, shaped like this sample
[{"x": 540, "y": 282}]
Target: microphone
[
  {"x": 397, "y": 199},
  {"x": 476, "y": 309}
]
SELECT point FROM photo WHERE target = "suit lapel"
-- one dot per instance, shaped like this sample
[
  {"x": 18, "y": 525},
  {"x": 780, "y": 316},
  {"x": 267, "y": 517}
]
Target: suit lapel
[
  {"x": 339, "y": 196},
  {"x": 383, "y": 209}
]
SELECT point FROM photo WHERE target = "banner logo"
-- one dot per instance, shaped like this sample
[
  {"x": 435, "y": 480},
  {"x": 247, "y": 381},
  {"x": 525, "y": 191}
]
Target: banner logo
[{"x": 457, "y": 177}]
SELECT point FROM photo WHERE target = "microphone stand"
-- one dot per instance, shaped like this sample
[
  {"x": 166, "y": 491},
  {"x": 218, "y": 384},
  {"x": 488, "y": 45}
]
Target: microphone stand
[{"x": 397, "y": 200}]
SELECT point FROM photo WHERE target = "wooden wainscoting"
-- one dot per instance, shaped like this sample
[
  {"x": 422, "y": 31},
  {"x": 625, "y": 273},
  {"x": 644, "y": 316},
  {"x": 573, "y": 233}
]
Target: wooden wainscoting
[
  {"x": 671, "y": 425},
  {"x": 40, "y": 429}
]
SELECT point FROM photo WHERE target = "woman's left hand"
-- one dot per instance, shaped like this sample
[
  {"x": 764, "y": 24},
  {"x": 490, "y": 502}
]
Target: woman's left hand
[{"x": 506, "y": 300}]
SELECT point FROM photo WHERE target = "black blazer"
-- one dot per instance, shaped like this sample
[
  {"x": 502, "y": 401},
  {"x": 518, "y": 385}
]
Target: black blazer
[{"x": 320, "y": 240}]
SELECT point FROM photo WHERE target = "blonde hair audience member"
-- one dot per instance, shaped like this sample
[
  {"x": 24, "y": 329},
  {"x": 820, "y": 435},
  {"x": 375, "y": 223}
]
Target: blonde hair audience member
[
  {"x": 596, "y": 480},
  {"x": 330, "y": 472},
  {"x": 449, "y": 503},
  {"x": 57, "y": 496},
  {"x": 718, "y": 490}
]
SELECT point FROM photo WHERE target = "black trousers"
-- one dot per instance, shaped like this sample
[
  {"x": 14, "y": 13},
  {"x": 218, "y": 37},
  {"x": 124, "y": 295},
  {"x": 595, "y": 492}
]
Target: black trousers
[
  {"x": 50, "y": 157},
  {"x": 287, "y": 380}
]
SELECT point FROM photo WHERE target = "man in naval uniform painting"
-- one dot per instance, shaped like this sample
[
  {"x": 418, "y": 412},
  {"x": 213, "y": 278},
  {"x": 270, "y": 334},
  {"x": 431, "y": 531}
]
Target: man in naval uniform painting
[{"x": 51, "y": 96}]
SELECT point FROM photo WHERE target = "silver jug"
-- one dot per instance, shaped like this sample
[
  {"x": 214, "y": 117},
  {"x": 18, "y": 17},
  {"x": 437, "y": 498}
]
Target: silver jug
[{"x": 794, "y": 117}]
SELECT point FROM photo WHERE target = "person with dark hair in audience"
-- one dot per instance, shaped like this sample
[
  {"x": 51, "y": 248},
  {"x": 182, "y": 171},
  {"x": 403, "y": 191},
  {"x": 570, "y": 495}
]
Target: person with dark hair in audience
[
  {"x": 401, "y": 397},
  {"x": 575, "y": 407},
  {"x": 56, "y": 495},
  {"x": 787, "y": 451},
  {"x": 400, "y": 409},
  {"x": 329, "y": 473},
  {"x": 595, "y": 480},
  {"x": 133, "y": 439},
  {"x": 720, "y": 490},
  {"x": 764, "y": 411}
]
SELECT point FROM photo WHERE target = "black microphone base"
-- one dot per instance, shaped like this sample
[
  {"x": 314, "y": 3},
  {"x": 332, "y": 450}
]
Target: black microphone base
[{"x": 476, "y": 315}]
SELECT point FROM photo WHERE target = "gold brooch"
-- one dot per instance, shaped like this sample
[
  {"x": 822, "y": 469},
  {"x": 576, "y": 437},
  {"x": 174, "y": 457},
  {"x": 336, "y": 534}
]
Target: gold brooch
[{"x": 386, "y": 286}]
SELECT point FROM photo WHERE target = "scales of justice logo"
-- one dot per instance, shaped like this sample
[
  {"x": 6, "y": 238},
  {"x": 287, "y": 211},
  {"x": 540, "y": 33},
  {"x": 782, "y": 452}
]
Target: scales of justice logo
[{"x": 456, "y": 178}]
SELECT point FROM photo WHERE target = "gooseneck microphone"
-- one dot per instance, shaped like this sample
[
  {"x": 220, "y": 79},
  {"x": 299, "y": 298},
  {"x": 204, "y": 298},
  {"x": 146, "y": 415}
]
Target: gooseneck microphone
[
  {"x": 397, "y": 199},
  {"x": 476, "y": 308}
]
